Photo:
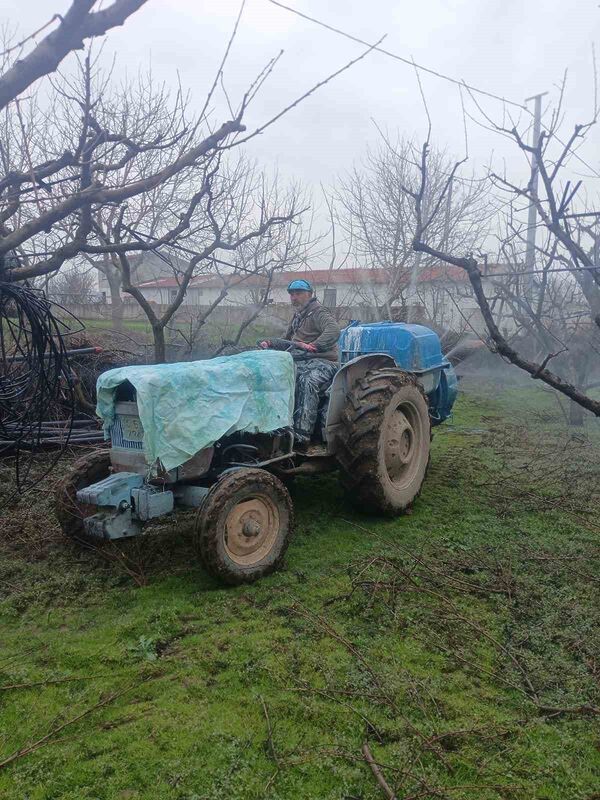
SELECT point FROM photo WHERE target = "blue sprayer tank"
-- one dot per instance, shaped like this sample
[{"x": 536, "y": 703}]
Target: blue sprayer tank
[{"x": 415, "y": 349}]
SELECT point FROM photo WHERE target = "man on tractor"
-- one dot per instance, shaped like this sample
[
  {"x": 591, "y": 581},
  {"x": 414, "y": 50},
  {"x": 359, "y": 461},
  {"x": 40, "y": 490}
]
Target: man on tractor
[{"x": 314, "y": 331}]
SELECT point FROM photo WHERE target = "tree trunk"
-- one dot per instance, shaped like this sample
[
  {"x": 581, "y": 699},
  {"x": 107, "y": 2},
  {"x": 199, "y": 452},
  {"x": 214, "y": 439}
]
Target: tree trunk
[
  {"x": 116, "y": 307},
  {"x": 160, "y": 350},
  {"x": 116, "y": 301},
  {"x": 575, "y": 414}
]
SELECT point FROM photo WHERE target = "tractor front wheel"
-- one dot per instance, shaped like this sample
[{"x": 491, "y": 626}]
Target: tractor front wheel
[
  {"x": 69, "y": 511},
  {"x": 244, "y": 525},
  {"x": 383, "y": 451}
]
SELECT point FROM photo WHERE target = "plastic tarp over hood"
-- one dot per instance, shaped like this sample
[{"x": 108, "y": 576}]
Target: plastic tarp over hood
[{"x": 187, "y": 406}]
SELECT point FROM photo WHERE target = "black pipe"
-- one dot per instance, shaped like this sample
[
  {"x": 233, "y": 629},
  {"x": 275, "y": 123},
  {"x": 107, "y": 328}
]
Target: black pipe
[
  {"x": 44, "y": 435},
  {"x": 51, "y": 424},
  {"x": 31, "y": 430},
  {"x": 77, "y": 440},
  {"x": 51, "y": 440},
  {"x": 57, "y": 438}
]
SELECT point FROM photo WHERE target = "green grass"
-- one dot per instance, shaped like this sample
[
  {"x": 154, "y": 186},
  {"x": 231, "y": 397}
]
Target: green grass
[
  {"x": 440, "y": 638},
  {"x": 128, "y": 325}
]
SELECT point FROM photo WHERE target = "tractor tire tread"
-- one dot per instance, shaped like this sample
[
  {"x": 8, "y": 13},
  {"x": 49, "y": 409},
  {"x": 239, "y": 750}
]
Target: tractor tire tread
[
  {"x": 358, "y": 448},
  {"x": 208, "y": 524}
]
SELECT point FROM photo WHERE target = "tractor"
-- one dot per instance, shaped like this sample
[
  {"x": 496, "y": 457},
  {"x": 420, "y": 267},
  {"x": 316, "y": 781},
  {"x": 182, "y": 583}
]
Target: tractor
[{"x": 216, "y": 436}]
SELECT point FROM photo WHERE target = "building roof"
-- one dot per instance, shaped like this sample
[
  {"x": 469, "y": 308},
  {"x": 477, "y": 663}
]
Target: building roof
[{"x": 318, "y": 277}]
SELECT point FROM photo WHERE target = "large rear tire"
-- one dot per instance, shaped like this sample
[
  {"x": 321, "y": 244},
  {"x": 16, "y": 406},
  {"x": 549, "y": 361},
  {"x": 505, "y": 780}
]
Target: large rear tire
[
  {"x": 383, "y": 451},
  {"x": 69, "y": 511},
  {"x": 244, "y": 526}
]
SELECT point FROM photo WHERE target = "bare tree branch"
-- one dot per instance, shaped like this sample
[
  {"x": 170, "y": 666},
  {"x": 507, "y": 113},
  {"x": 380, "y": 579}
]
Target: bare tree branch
[{"x": 77, "y": 25}]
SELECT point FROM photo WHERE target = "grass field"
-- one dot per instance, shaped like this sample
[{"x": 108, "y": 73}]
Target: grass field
[{"x": 460, "y": 642}]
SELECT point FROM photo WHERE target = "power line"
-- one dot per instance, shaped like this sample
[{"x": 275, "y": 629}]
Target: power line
[
  {"x": 577, "y": 156},
  {"x": 455, "y": 81},
  {"x": 517, "y": 274},
  {"x": 397, "y": 57}
]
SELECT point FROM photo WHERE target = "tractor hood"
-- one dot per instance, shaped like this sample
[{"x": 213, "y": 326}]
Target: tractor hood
[{"x": 188, "y": 406}]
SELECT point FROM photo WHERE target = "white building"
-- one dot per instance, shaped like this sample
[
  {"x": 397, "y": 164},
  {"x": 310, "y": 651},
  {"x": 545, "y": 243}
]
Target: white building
[{"x": 440, "y": 294}]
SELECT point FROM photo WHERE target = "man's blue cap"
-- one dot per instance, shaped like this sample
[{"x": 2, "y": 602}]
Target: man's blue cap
[{"x": 300, "y": 285}]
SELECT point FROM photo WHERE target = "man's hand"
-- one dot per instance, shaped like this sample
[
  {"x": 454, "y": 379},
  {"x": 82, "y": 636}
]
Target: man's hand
[
  {"x": 310, "y": 348},
  {"x": 264, "y": 345}
]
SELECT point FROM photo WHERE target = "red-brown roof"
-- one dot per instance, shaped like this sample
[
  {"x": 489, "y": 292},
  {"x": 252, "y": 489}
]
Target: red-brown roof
[{"x": 318, "y": 277}]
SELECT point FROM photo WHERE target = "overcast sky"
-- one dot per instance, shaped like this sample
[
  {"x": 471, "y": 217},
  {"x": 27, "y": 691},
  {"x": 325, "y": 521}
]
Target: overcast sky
[{"x": 508, "y": 47}]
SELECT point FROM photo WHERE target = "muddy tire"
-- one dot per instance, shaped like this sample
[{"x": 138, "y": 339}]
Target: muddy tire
[
  {"x": 244, "y": 526},
  {"x": 69, "y": 512},
  {"x": 383, "y": 451}
]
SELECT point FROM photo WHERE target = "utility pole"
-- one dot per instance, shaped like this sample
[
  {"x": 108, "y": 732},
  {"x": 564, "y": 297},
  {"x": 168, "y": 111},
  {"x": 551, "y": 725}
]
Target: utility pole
[
  {"x": 532, "y": 215},
  {"x": 447, "y": 216}
]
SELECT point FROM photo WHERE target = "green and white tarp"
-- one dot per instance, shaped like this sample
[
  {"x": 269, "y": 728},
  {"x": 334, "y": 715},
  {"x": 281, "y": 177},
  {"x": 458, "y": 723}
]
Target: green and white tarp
[{"x": 187, "y": 406}]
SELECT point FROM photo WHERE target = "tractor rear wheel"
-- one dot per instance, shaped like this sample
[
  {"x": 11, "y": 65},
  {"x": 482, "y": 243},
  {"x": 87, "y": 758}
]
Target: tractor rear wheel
[
  {"x": 244, "y": 525},
  {"x": 69, "y": 511},
  {"x": 383, "y": 451}
]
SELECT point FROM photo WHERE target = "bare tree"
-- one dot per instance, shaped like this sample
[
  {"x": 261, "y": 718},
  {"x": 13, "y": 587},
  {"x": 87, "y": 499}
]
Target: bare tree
[
  {"x": 80, "y": 23},
  {"x": 282, "y": 247},
  {"x": 64, "y": 160},
  {"x": 561, "y": 313},
  {"x": 75, "y": 183},
  {"x": 73, "y": 285},
  {"x": 544, "y": 308},
  {"x": 377, "y": 200},
  {"x": 244, "y": 228}
]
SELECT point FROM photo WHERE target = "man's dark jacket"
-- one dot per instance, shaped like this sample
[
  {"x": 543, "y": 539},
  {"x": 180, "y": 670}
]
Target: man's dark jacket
[{"x": 315, "y": 324}]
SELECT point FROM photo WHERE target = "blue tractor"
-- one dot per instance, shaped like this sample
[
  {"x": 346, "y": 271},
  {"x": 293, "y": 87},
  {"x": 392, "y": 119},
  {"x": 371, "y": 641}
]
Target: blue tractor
[{"x": 217, "y": 436}]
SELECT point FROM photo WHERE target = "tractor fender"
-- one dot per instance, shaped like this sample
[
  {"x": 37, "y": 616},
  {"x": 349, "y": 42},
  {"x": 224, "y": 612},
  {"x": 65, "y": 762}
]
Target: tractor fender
[{"x": 344, "y": 379}]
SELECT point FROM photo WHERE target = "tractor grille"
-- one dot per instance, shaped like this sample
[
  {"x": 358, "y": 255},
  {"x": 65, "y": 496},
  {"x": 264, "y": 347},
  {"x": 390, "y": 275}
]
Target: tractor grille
[{"x": 127, "y": 432}]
